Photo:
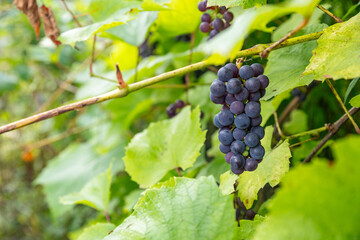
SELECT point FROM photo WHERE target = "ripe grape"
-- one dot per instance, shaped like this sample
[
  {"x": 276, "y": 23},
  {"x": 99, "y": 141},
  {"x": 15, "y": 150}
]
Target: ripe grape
[
  {"x": 237, "y": 107},
  {"x": 236, "y": 170},
  {"x": 230, "y": 98},
  {"x": 262, "y": 92},
  {"x": 257, "y": 152},
  {"x": 206, "y": 18},
  {"x": 202, "y": 6},
  {"x": 252, "y": 85},
  {"x": 218, "y": 88},
  {"x": 228, "y": 16},
  {"x": 171, "y": 111},
  {"x": 224, "y": 74},
  {"x": 249, "y": 214},
  {"x": 252, "y": 109},
  {"x": 239, "y": 134},
  {"x": 264, "y": 81},
  {"x": 234, "y": 86},
  {"x": 258, "y": 69},
  {"x": 228, "y": 156},
  {"x": 234, "y": 68},
  {"x": 217, "y": 100},
  {"x": 259, "y": 131},
  {"x": 251, "y": 139},
  {"x": 226, "y": 117},
  {"x": 237, "y": 147},
  {"x": 222, "y": 9},
  {"x": 179, "y": 104},
  {"x": 218, "y": 24},
  {"x": 250, "y": 164},
  {"x": 205, "y": 27},
  {"x": 237, "y": 160},
  {"x": 255, "y": 96},
  {"x": 246, "y": 72},
  {"x": 256, "y": 121},
  {"x": 213, "y": 33},
  {"x": 226, "y": 25},
  {"x": 224, "y": 148},
  {"x": 225, "y": 137},
  {"x": 242, "y": 121},
  {"x": 216, "y": 121},
  {"x": 242, "y": 95}
]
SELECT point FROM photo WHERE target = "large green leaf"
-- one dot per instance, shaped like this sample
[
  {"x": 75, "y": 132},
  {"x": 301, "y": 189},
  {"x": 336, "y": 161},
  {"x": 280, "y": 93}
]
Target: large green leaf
[
  {"x": 71, "y": 170},
  {"x": 236, "y": 3},
  {"x": 318, "y": 200},
  {"x": 247, "y": 228},
  {"x": 297, "y": 122},
  {"x": 96, "y": 232},
  {"x": 273, "y": 167},
  {"x": 181, "y": 208},
  {"x": 337, "y": 54},
  {"x": 95, "y": 193},
  {"x": 227, "y": 181},
  {"x": 184, "y": 17},
  {"x": 355, "y": 101},
  {"x": 163, "y": 146}
]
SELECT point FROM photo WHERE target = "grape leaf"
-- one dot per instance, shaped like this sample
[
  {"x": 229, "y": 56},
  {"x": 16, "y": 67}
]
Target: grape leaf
[
  {"x": 273, "y": 167},
  {"x": 180, "y": 208},
  {"x": 247, "y": 228},
  {"x": 337, "y": 53},
  {"x": 317, "y": 200},
  {"x": 184, "y": 17},
  {"x": 227, "y": 180},
  {"x": 95, "y": 193},
  {"x": 297, "y": 122},
  {"x": 236, "y": 3},
  {"x": 350, "y": 87},
  {"x": 215, "y": 168},
  {"x": 355, "y": 101},
  {"x": 96, "y": 232},
  {"x": 163, "y": 146}
]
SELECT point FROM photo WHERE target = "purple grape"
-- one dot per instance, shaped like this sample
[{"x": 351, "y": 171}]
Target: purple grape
[
  {"x": 242, "y": 95},
  {"x": 218, "y": 24},
  {"x": 250, "y": 164},
  {"x": 246, "y": 72},
  {"x": 264, "y": 81},
  {"x": 252, "y": 109},
  {"x": 256, "y": 121},
  {"x": 205, "y": 27},
  {"x": 259, "y": 131},
  {"x": 234, "y": 86},
  {"x": 226, "y": 25},
  {"x": 252, "y": 85},
  {"x": 255, "y": 96},
  {"x": 179, "y": 104},
  {"x": 239, "y": 134},
  {"x": 213, "y": 33},
  {"x": 234, "y": 68},
  {"x": 258, "y": 69},
  {"x": 217, "y": 100},
  {"x": 242, "y": 121},
  {"x": 251, "y": 139},
  {"x": 228, "y": 156},
  {"x": 222, "y": 9},
  {"x": 224, "y": 148},
  {"x": 262, "y": 92},
  {"x": 225, "y": 137},
  {"x": 237, "y": 107},
  {"x": 202, "y": 6},
  {"x": 218, "y": 88},
  {"x": 224, "y": 74},
  {"x": 237, "y": 160},
  {"x": 257, "y": 152},
  {"x": 206, "y": 18},
  {"x": 237, "y": 170},
  {"x": 226, "y": 118},
  {"x": 216, "y": 121},
  {"x": 237, "y": 147},
  {"x": 230, "y": 98},
  {"x": 171, "y": 111},
  {"x": 228, "y": 16}
]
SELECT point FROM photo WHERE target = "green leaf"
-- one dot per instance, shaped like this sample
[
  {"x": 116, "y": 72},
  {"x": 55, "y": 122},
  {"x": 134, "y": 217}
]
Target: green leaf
[
  {"x": 247, "y": 228},
  {"x": 96, "y": 232},
  {"x": 135, "y": 32},
  {"x": 284, "y": 76},
  {"x": 184, "y": 17},
  {"x": 83, "y": 33},
  {"x": 236, "y": 3},
  {"x": 227, "y": 181},
  {"x": 215, "y": 168},
  {"x": 297, "y": 122},
  {"x": 317, "y": 200},
  {"x": 7, "y": 82},
  {"x": 181, "y": 208},
  {"x": 355, "y": 101},
  {"x": 337, "y": 54},
  {"x": 350, "y": 87},
  {"x": 71, "y": 170},
  {"x": 95, "y": 193},
  {"x": 273, "y": 167},
  {"x": 164, "y": 146}
]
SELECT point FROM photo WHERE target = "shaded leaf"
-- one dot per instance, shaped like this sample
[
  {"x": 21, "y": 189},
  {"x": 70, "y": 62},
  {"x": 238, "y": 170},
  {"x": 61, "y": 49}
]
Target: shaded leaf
[
  {"x": 180, "y": 208},
  {"x": 163, "y": 146},
  {"x": 215, "y": 168},
  {"x": 96, "y": 232},
  {"x": 297, "y": 122},
  {"x": 355, "y": 101},
  {"x": 350, "y": 87}
]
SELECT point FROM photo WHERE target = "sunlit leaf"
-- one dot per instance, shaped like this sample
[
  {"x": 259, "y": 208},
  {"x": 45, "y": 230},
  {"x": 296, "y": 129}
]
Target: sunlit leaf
[{"x": 96, "y": 232}]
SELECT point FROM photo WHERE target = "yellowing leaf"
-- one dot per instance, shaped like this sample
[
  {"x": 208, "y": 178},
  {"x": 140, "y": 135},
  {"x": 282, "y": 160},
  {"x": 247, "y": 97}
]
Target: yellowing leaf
[{"x": 124, "y": 54}]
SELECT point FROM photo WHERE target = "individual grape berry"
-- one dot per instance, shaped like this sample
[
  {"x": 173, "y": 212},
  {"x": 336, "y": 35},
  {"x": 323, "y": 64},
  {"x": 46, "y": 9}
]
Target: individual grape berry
[
  {"x": 218, "y": 24},
  {"x": 206, "y": 18},
  {"x": 217, "y": 100},
  {"x": 252, "y": 85},
  {"x": 251, "y": 139},
  {"x": 226, "y": 25},
  {"x": 171, "y": 111},
  {"x": 179, "y": 104},
  {"x": 242, "y": 95},
  {"x": 259, "y": 131},
  {"x": 216, "y": 121},
  {"x": 237, "y": 147},
  {"x": 262, "y": 92},
  {"x": 234, "y": 68},
  {"x": 258, "y": 69},
  {"x": 226, "y": 117},
  {"x": 259, "y": 160},
  {"x": 245, "y": 153},
  {"x": 224, "y": 74},
  {"x": 213, "y": 33},
  {"x": 234, "y": 86},
  {"x": 218, "y": 88},
  {"x": 264, "y": 81},
  {"x": 222, "y": 9},
  {"x": 239, "y": 134},
  {"x": 228, "y": 16},
  {"x": 257, "y": 152},
  {"x": 225, "y": 107},
  {"x": 237, "y": 107},
  {"x": 249, "y": 214},
  {"x": 246, "y": 72},
  {"x": 202, "y": 6},
  {"x": 225, "y": 137},
  {"x": 236, "y": 170},
  {"x": 205, "y": 27},
  {"x": 252, "y": 110},
  {"x": 242, "y": 121},
  {"x": 237, "y": 160},
  {"x": 255, "y": 96},
  {"x": 250, "y": 164},
  {"x": 228, "y": 156},
  {"x": 256, "y": 121},
  {"x": 230, "y": 98},
  {"x": 224, "y": 148}
]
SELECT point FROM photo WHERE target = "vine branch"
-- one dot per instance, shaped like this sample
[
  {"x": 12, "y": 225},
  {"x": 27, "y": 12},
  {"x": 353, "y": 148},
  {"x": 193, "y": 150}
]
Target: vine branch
[
  {"x": 118, "y": 93},
  {"x": 337, "y": 19}
]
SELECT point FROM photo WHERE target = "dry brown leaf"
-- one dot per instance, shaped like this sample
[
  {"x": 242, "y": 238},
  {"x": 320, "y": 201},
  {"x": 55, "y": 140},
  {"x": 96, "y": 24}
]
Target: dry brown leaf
[
  {"x": 51, "y": 29},
  {"x": 30, "y": 8}
]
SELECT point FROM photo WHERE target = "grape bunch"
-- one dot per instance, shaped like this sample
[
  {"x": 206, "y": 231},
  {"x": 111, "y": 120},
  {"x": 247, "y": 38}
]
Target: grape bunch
[
  {"x": 221, "y": 19},
  {"x": 171, "y": 110},
  {"x": 239, "y": 91}
]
